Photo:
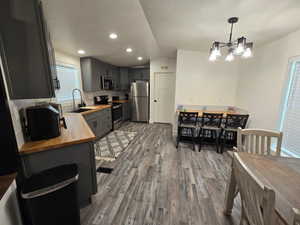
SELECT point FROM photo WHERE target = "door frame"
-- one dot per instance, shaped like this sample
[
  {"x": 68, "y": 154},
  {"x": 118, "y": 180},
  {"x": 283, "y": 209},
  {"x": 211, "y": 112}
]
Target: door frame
[{"x": 154, "y": 93}]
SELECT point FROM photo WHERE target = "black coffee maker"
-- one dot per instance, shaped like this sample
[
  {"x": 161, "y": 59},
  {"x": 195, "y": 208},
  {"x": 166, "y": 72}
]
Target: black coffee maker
[
  {"x": 101, "y": 100},
  {"x": 44, "y": 122}
]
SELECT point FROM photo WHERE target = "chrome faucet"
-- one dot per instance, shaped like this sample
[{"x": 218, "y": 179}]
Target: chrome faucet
[{"x": 73, "y": 92}]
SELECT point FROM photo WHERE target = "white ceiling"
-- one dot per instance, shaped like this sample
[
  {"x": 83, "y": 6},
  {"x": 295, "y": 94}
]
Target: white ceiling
[
  {"x": 155, "y": 27},
  {"x": 86, "y": 24}
]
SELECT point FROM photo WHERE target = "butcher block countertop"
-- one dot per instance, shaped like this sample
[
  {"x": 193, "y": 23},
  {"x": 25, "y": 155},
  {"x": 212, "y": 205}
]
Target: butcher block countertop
[
  {"x": 5, "y": 182},
  {"x": 120, "y": 101},
  {"x": 94, "y": 108},
  {"x": 77, "y": 132}
]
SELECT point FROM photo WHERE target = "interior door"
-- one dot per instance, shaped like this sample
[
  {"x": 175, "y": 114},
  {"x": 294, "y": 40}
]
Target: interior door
[{"x": 164, "y": 94}]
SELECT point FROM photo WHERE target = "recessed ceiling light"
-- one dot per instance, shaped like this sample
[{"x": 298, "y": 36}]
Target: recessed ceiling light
[
  {"x": 113, "y": 36},
  {"x": 128, "y": 49},
  {"x": 140, "y": 58},
  {"x": 81, "y": 52}
]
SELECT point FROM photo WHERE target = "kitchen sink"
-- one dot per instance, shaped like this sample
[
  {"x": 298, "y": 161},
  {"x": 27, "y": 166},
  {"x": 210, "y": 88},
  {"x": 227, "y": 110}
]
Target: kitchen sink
[{"x": 80, "y": 110}]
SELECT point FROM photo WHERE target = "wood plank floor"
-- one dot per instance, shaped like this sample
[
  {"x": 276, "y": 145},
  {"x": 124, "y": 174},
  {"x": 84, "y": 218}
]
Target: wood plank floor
[{"x": 154, "y": 183}]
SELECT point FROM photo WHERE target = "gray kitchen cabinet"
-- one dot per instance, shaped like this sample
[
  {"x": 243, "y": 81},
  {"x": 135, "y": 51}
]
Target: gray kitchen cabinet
[
  {"x": 116, "y": 78},
  {"x": 139, "y": 74},
  {"x": 125, "y": 111},
  {"x": 24, "y": 51},
  {"x": 50, "y": 48},
  {"x": 81, "y": 154},
  {"x": 91, "y": 72},
  {"x": 124, "y": 79},
  {"x": 100, "y": 122},
  {"x": 145, "y": 74}
]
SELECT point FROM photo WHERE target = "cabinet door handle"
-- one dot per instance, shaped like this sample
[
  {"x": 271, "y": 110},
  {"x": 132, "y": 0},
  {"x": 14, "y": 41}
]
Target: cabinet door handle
[{"x": 155, "y": 100}]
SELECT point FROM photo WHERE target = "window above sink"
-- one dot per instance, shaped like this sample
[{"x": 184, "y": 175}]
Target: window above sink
[{"x": 69, "y": 79}]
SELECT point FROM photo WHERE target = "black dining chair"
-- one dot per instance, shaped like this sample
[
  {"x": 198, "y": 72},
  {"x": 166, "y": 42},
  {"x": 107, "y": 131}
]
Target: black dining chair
[
  {"x": 210, "y": 128},
  {"x": 229, "y": 131},
  {"x": 187, "y": 124}
]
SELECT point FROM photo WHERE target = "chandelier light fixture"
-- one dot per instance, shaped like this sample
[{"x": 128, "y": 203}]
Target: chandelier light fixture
[{"x": 239, "y": 47}]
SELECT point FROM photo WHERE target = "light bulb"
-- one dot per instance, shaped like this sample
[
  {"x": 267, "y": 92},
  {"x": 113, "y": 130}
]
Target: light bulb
[
  {"x": 81, "y": 52},
  {"x": 216, "y": 52},
  {"x": 229, "y": 57},
  {"x": 216, "y": 49},
  {"x": 239, "y": 50},
  {"x": 212, "y": 57},
  {"x": 113, "y": 36},
  {"x": 240, "y": 46},
  {"x": 248, "y": 52}
]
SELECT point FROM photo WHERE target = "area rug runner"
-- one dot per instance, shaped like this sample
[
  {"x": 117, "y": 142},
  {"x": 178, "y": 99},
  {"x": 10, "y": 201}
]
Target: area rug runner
[{"x": 109, "y": 147}]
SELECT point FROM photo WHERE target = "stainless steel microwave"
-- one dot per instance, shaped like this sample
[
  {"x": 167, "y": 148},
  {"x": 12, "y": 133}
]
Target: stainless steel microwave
[{"x": 106, "y": 83}]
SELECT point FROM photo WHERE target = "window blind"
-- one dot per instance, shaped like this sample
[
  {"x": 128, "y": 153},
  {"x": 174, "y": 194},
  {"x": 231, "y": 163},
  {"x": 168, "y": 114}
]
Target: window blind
[
  {"x": 290, "y": 124},
  {"x": 68, "y": 78}
]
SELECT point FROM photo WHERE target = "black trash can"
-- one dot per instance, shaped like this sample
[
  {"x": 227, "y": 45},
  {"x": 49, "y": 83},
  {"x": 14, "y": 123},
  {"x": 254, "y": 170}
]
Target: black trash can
[{"x": 50, "y": 197}]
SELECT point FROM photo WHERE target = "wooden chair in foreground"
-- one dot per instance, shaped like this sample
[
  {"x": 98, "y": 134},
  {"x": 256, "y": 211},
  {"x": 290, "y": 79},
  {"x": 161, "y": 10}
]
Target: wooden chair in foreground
[
  {"x": 257, "y": 201},
  {"x": 258, "y": 141},
  {"x": 296, "y": 217}
]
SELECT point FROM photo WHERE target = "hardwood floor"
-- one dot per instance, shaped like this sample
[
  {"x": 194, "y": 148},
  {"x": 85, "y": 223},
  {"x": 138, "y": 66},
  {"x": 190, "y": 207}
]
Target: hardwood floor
[{"x": 153, "y": 183}]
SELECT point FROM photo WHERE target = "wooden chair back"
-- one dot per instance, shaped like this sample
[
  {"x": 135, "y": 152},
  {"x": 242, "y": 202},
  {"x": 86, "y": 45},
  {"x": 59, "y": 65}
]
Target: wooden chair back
[
  {"x": 188, "y": 118},
  {"x": 296, "y": 217},
  {"x": 234, "y": 121},
  {"x": 258, "y": 141},
  {"x": 257, "y": 201},
  {"x": 212, "y": 119}
]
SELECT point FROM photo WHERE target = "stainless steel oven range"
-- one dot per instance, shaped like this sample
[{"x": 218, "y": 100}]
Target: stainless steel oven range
[{"x": 117, "y": 115}]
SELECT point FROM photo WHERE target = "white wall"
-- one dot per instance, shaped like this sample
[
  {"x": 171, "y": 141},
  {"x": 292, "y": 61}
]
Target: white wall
[
  {"x": 262, "y": 81},
  {"x": 201, "y": 82},
  {"x": 156, "y": 66}
]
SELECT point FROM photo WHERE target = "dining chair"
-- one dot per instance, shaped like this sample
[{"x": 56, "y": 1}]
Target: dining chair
[
  {"x": 187, "y": 124},
  {"x": 229, "y": 131},
  {"x": 257, "y": 200},
  {"x": 210, "y": 128},
  {"x": 258, "y": 141},
  {"x": 296, "y": 216}
]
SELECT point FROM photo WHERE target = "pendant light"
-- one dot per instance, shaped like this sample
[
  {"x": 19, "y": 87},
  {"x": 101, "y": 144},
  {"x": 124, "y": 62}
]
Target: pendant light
[{"x": 239, "y": 47}]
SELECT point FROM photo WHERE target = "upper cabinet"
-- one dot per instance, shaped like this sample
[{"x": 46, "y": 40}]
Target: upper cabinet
[
  {"x": 116, "y": 78},
  {"x": 124, "y": 79},
  {"x": 139, "y": 74},
  {"x": 24, "y": 45},
  {"x": 93, "y": 69},
  {"x": 50, "y": 48}
]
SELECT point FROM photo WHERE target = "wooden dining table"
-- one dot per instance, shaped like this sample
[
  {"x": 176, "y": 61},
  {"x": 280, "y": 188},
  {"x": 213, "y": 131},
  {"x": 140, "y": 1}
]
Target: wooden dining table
[
  {"x": 224, "y": 112},
  {"x": 281, "y": 174}
]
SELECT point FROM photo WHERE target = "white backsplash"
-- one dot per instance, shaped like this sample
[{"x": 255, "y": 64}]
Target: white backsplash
[{"x": 88, "y": 98}]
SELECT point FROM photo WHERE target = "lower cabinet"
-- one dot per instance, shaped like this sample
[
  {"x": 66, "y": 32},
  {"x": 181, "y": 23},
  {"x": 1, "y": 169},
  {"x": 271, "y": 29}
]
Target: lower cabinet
[
  {"x": 81, "y": 154},
  {"x": 126, "y": 111},
  {"x": 100, "y": 122}
]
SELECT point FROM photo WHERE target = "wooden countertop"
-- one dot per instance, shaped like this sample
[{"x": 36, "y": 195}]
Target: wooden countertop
[
  {"x": 5, "y": 182},
  {"x": 94, "y": 108},
  {"x": 77, "y": 132},
  {"x": 120, "y": 101}
]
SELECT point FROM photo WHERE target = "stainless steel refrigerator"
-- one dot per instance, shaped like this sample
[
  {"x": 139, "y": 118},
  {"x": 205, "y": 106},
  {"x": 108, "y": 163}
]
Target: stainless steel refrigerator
[{"x": 139, "y": 99}]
